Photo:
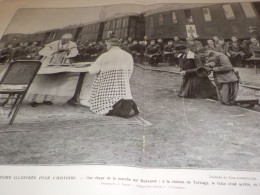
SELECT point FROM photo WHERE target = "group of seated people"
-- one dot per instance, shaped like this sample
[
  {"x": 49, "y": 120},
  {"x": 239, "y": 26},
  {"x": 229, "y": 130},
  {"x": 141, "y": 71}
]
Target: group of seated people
[
  {"x": 20, "y": 51},
  {"x": 87, "y": 51},
  {"x": 155, "y": 52}
]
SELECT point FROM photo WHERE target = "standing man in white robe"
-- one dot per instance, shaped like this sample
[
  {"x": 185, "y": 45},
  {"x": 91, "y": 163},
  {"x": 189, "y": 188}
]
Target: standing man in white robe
[
  {"x": 45, "y": 87},
  {"x": 110, "y": 92}
]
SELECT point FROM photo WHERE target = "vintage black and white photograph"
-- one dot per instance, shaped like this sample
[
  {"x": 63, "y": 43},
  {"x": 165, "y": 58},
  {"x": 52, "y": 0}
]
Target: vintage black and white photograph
[{"x": 161, "y": 85}]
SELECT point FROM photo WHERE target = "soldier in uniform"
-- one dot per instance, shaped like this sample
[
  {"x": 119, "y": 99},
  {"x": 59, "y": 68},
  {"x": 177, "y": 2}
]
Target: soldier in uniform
[
  {"x": 135, "y": 51},
  {"x": 142, "y": 47},
  {"x": 215, "y": 39},
  {"x": 152, "y": 53},
  {"x": 214, "y": 46},
  {"x": 236, "y": 54},
  {"x": 93, "y": 51},
  {"x": 169, "y": 53},
  {"x": 21, "y": 52},
  {"x": 225, "y": 77},
  {"x": 81, "y": 57},
  {"x": 193, "y": 44},
  {"x": 33, "y": 52},
  {"x": 177, "y": 41},
  {"x": 124, "y": 45}
]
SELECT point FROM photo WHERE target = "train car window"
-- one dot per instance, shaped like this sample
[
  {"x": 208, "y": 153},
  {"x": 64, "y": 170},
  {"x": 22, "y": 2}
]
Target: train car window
[
  {"x": 105, "y": 26},
  {"x": 160, "y": 19},
  {"x": 151, "y": 21},
  {"x": 257, "y": 7},
  {"x": 97, "y": 27},
  {"x": 228, "y": 11},
  {"x": 124, "y": 23},
  {"x": 188, "y": 16},
  {"x": 113, "y": 24},
  {"x": 174, "y": 18},
  {"x": 206, "y": 14},
  {"x": 108, "y": 25},
  {"x": 248, "y": 10},
  {"x": 119, "y": 23}
]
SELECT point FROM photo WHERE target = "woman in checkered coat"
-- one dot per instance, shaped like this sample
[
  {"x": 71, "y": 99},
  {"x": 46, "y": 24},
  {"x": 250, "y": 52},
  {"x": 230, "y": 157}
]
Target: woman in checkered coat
[{"x": 110, "y": 92}]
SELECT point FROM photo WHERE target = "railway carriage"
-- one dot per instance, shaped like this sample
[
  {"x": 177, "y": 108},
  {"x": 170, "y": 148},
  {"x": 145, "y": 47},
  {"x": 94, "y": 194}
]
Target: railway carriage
[
  {"x": 129, "y": 25},
  {"x": 203, "y": 21}
]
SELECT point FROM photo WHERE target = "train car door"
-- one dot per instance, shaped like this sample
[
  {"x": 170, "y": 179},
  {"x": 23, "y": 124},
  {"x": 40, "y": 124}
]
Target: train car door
[
  {"x": 191, "y": 30},
  {"x": 78, "y": 33},
  {"x": 100, "y": 31},
  {"x": 46, "y": 37}
]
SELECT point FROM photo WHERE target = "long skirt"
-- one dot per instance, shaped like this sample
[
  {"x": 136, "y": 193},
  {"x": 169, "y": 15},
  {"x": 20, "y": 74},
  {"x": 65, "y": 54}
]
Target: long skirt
[
  {"x": 197, "y": 87},
  {"x": 227, "y": 92}
]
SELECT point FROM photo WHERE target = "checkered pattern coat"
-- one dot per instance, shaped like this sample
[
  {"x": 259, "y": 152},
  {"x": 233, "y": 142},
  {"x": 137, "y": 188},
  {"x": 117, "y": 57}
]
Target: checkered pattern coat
[{"x": 113, "y": 69}]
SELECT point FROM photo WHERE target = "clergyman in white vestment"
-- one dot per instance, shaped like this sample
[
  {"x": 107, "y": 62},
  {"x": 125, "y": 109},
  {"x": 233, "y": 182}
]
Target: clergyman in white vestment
[
  {"x": 112, "y": 70},
  {"x": 45, "y": 87}
]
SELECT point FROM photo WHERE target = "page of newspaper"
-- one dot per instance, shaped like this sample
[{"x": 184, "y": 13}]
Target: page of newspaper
[{"x": 142, "y": 97}]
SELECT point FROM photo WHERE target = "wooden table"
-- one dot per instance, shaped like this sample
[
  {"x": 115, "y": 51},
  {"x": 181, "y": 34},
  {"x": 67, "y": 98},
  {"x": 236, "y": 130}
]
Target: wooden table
[{"x": 81, "y": 68}]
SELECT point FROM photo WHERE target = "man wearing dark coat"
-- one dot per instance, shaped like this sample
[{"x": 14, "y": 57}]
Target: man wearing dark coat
[
  {"x": 152, "y": 53},
  {"x": 136, "y": 50},
  {"x": 236, "y": 54},
  {"x": 193, "y": 86},
  {"x": 168, "y": 53},
  {"x": 21, "y": 52}
]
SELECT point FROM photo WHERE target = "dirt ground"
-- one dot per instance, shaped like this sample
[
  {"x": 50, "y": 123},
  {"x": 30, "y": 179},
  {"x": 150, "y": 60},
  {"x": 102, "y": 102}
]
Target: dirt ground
[{"x": 170, "y": 132}]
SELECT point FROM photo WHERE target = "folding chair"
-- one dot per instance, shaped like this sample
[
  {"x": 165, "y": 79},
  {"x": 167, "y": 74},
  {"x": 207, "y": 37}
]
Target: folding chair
[{"x": 16, "y": 82}]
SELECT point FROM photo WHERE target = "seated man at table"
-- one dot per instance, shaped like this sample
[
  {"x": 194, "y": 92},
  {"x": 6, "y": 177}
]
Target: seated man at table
[
  {"x": 254, "y": 47},
  {"x": 46, "y": 86},
  {"x": 110, "y": 93}
]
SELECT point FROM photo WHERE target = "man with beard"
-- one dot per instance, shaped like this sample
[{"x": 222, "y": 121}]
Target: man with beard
[{"x": 193, "y": 86}]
